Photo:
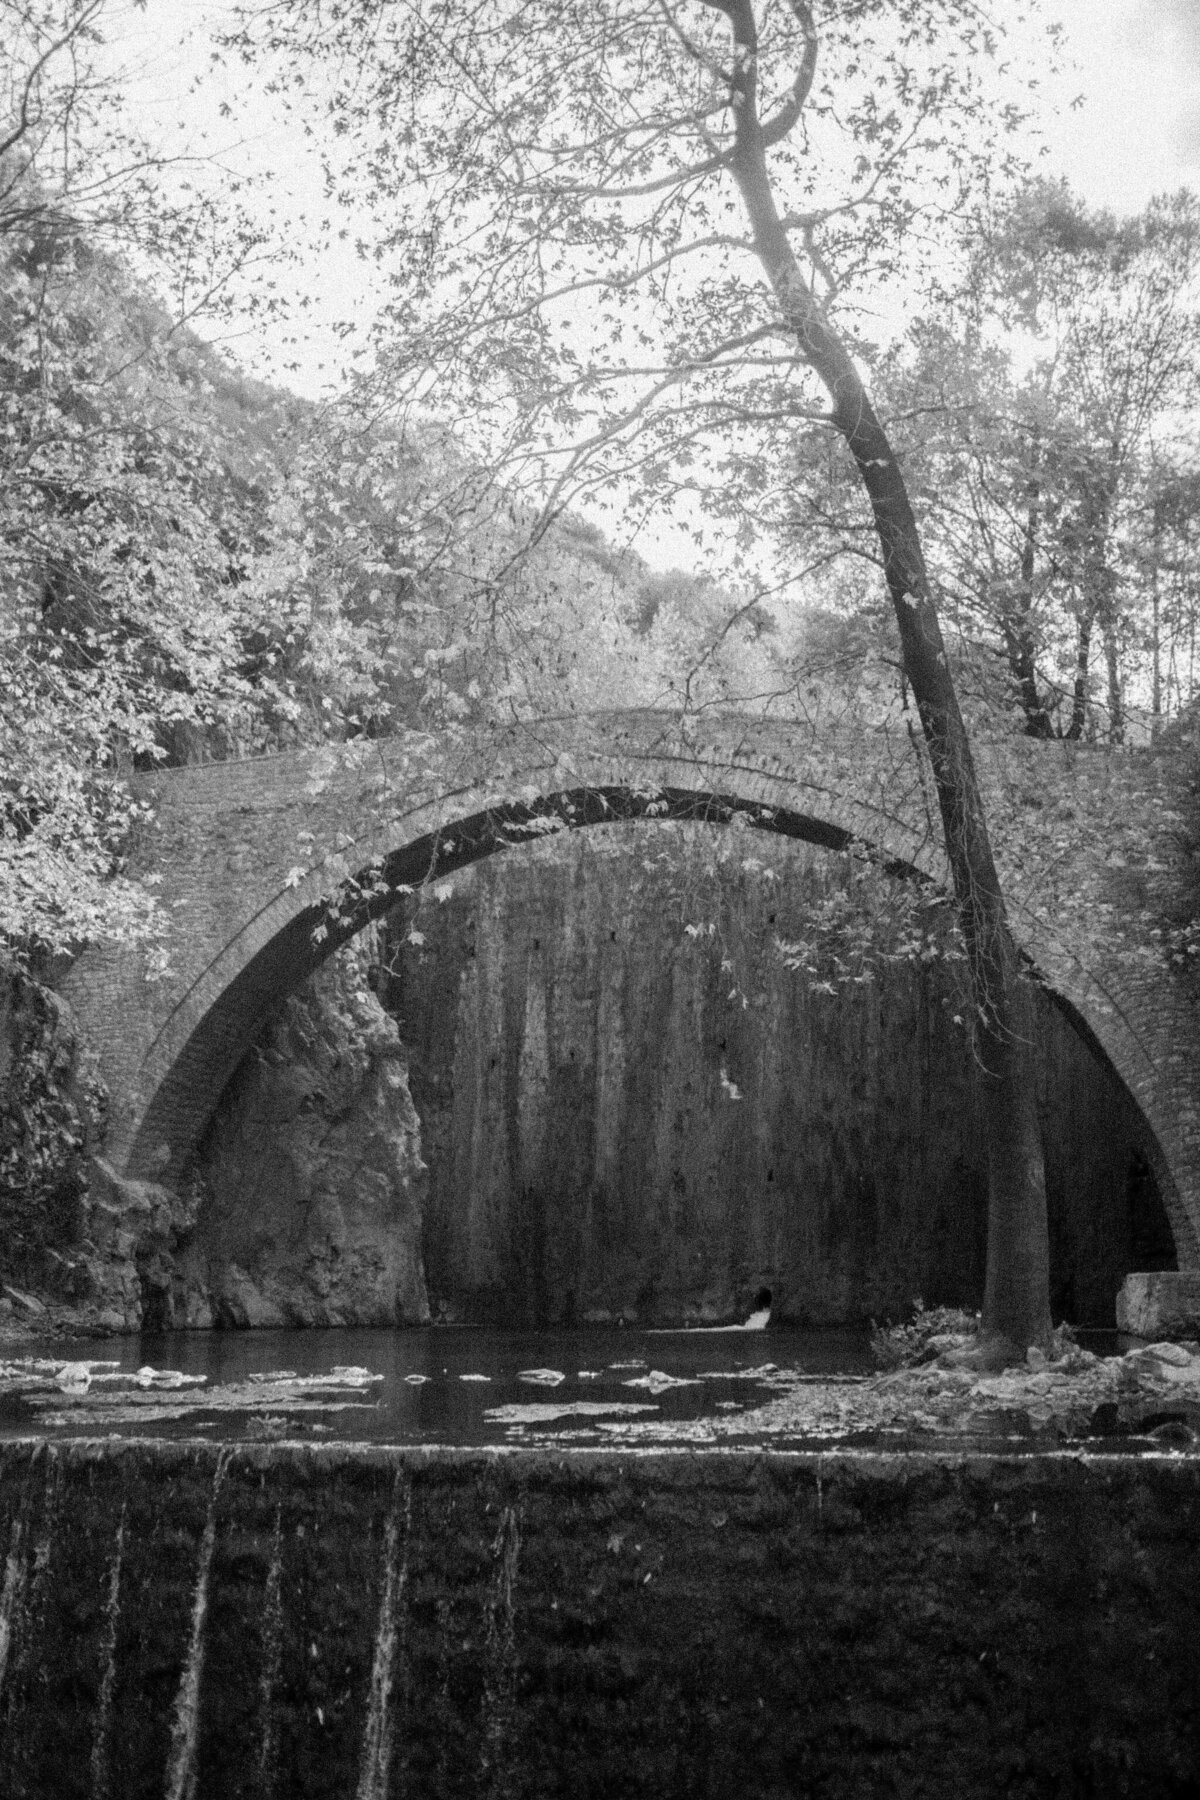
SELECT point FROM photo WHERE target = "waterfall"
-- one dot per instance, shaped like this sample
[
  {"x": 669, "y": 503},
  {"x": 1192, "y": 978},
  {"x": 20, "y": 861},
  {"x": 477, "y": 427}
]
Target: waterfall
[
  {"x": 12, "y": 1593},
  {"x": 108, "y": 1678},
  {"x": 185, "y": 1725},
  {"x": 377, "y": 1739},
  {"x": 268, "y": 1681},
  {"x": 500, "y": 1686},
  {"x": 16, "y": 1608},
  {"x": 45, "y": 1539}
]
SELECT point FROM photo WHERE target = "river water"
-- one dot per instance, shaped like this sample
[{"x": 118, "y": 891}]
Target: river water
[{"x": 423, "y": 1385}]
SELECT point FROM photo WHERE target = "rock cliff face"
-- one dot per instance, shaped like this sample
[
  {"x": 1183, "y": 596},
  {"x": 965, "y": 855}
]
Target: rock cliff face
[
  {"x": 306, "y": 1194},
  {"x": 631, "y": 1108},
  {"x": 303, "y": 1205}
]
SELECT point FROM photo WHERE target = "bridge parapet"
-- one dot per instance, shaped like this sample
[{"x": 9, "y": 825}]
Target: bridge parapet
[{"x": 1091, "y": 846}]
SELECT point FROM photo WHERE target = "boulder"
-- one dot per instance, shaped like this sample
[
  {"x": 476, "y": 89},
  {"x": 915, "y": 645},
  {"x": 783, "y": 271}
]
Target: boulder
[
  {"x": 133, "y": 1228},
  {"x": 310, "y": 1179},
  {"x": 1163, "y": 1303}
]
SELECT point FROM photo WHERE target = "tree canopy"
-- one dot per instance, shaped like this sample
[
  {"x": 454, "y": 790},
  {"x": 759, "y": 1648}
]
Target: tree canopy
[{"x": 548, "y": 194}]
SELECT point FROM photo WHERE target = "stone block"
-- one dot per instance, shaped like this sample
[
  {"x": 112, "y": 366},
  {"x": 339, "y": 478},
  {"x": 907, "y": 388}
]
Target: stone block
[{"x": 1164, "y": 1303}]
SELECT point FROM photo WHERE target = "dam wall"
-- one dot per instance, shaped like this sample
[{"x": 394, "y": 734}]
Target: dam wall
[{"x": 181, "y": 1619}]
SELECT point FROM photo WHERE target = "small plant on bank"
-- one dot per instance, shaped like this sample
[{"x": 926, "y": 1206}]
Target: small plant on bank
[
  {"x": 943, "y": 1333},
  {"x": 929, "y": 1332}
]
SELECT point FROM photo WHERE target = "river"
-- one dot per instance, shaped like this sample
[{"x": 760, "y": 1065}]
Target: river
[{"x": 422, "y": 1385}]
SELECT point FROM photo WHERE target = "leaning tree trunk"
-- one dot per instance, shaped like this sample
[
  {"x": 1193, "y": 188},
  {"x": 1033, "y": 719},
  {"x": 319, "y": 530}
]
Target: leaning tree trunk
[{"x": 1016, "y": 1309}]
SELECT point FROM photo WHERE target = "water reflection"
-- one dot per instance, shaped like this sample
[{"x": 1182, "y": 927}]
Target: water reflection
[{"x": 438, "y": 1384}]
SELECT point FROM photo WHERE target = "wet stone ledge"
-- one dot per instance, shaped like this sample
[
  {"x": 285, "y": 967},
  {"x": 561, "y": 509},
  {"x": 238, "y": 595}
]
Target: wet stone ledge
[{"x": 180, "y": 1620}]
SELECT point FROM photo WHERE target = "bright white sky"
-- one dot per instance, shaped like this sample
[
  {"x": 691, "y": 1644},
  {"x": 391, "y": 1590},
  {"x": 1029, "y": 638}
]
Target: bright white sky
[
  {"x": 1137, "y": 132},
  {"x": 1134, "y": 63}
]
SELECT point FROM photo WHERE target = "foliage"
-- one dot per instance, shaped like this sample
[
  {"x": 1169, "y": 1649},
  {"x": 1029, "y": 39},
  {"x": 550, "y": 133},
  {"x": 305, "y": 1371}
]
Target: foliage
[
  {"x": 545, "y": 191},
  {"x": 1049, "y": 402},
  {"x": 125, "y": 522},
  {"x": 47, "y": 1117},
  {"x": 903, "y": 1346},
  {"x": 123, "y": 519},
  {"x": 74, "y": 156},
  {"x": 867, "y": 921},
  {"x": 415, "y": 595}
]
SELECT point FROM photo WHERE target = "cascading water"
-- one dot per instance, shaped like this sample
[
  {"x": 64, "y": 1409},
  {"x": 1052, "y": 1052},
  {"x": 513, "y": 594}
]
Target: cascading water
[
  {"x": 268, "y": 1681},
  {"x": 185, "y": 1723},
  {"x": 182, "y": 1622},
  {"x": 108, "y": 1681},
  {"x": 500, "y": 1692},
  {"x": 15, "y": 1570},
  {"x": 24, "y": 1576},
  {"x": 380, "y": 1726}
]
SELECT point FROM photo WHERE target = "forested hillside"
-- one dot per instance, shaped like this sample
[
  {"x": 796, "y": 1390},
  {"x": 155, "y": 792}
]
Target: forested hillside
[{"x": 197, "y": 566}]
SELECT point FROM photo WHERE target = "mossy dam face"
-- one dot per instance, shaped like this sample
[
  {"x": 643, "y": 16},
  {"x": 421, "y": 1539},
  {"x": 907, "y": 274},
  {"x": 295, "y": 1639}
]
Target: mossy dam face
[{"x": 191, "y": 1622}]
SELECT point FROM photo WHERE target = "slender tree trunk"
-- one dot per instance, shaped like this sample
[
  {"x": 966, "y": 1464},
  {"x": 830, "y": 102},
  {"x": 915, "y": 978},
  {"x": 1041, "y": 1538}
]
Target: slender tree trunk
[
  {"x": 1156, "y": 669},
  {"x": 1083, "y": 647},
  {"x": 1112, "y": 664},
  {"x": 1016, "y": 1302},
  {"x": 1156, "y": 525},
  {"x": 1018, "y": 629},
  {"x": 1099, "y": 592}
]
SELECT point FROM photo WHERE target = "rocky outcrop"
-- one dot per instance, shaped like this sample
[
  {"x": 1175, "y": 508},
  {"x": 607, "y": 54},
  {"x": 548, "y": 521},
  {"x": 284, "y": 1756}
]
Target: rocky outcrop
[
  {"x": 308, "y": 1186},
  {"x": 303, "y": 1206},
  {"x": 134, "y": 1228},
  {"x": 1162, "y": 1304},
  {"x": 632, "y": 1108}
]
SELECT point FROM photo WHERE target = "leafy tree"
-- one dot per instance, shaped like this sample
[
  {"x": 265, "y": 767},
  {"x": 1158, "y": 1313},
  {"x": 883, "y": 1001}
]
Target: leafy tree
[
  {"x": 1040, "y": 398},
  {"x": 131, "y": 483},
  {"x": 123, "y": 527},
  {"x": 73, "y": 157},
  {"x": 1166, "y": 547},
  {"x": 618, "y": 239}
]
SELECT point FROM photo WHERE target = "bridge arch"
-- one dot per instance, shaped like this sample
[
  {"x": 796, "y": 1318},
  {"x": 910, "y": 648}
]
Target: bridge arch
[
  {"x": 253, "y": 923},
  {"x": 207, "y": 1033}
]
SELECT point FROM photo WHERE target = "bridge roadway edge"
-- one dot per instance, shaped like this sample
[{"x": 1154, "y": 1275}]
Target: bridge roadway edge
[{"x": 249, "y": 852}]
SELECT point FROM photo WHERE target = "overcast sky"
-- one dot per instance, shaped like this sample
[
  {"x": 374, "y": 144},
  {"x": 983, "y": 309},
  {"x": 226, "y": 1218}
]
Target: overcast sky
[
  {"x": 1134, "y": 66},
  {"x": 1137, "y": 132}
]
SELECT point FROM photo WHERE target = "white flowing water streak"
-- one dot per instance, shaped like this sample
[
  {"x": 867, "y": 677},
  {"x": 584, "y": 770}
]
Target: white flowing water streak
[
  {"x": 185, "y": 1725},
  {"x": 377, "y": 1739},
  {"x": 11, "y": 1595},
  {"x": 15, "y": 1608},
  {"x": 108, "y": 1678},
  {"x": 500, "y": 1684},
  {"x": 268, "y": 1681}
]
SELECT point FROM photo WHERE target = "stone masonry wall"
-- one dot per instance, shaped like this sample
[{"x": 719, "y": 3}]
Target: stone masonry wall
[{"x": 631, "y": 1108}]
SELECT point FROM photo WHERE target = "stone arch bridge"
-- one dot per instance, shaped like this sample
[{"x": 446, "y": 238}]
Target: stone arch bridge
[{"x": 1093, "y": 844}]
